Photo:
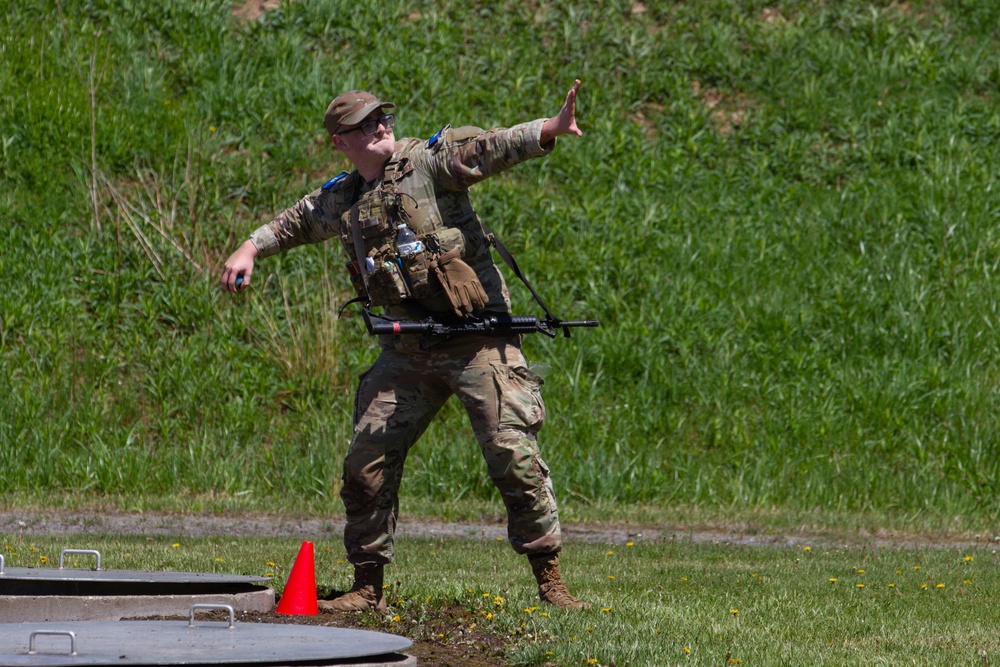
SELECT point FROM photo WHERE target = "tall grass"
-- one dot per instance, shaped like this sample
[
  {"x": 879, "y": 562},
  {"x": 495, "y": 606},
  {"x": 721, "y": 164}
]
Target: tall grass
[{"x": 780, "y": 212}]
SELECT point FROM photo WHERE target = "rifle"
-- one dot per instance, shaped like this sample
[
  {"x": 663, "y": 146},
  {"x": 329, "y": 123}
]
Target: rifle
[{"x": 491, "y": 325}]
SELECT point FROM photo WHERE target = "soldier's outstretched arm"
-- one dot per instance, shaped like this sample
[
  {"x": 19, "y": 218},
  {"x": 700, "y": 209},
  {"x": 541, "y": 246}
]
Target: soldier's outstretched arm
[{"x": 565, "y": 121}]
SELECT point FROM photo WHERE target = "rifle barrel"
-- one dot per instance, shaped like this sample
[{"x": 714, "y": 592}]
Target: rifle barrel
[{"x": 576, "y": 323}]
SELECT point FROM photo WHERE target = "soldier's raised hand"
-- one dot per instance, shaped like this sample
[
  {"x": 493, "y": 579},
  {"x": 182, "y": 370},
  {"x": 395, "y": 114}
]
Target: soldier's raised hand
[{"x": 565, "y": 121}]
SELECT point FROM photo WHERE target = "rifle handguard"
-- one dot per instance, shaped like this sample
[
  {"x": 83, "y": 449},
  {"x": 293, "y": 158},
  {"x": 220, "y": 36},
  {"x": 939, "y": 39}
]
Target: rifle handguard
[{"x": 493, "y": 325}]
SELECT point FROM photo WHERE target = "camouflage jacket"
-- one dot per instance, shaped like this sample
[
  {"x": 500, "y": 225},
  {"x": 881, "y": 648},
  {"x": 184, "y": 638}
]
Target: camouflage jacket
[{"x": 425, "y": 185}]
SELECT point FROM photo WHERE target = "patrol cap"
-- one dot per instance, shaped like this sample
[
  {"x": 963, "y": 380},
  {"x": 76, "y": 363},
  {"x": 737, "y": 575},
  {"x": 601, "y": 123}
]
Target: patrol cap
[{"x": 351, "y": 108}]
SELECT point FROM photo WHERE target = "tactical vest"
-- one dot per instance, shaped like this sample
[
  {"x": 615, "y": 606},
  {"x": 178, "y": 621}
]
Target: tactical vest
[{"x": 368, "y": 230}]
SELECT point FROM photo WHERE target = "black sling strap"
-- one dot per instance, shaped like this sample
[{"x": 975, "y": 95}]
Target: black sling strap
[{"x": 509, "y": 260}]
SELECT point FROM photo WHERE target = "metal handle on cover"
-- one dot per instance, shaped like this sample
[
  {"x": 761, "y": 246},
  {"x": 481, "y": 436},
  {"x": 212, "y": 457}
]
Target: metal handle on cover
[
  {"x": 52, "y": 633},
  {"x": 195, "y": 607},
  {"x": 90, "y": 552}
]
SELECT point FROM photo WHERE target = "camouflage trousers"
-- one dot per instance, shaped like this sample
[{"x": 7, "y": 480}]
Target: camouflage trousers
[{"x": 395, "y": 402}]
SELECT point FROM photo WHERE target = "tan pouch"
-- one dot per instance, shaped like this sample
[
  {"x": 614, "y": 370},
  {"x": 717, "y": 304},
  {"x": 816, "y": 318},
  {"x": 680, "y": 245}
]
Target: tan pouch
[{"x": 386, "y": 286}]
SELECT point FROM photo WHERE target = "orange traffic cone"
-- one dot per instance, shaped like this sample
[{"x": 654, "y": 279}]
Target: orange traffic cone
[{"x": 299, "y": 596}]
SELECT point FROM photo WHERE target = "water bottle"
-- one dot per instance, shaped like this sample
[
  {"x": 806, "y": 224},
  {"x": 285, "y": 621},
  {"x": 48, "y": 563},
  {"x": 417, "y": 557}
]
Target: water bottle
[{"x": 407, "y": 242}]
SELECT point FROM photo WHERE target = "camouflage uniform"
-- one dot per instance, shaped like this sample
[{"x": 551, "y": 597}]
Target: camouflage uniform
[{"x": 412, "y": 378}]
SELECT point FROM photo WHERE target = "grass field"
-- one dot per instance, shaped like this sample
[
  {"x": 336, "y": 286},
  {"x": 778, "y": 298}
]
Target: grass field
[
  {"x": 782, "y": 213},
  {"x": 656, "y": 602}
]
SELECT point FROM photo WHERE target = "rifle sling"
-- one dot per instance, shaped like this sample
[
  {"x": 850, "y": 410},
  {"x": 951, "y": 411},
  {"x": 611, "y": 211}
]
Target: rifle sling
[
  {"x": 512, "y": 263},
  {"x": 359, "y": 244}
]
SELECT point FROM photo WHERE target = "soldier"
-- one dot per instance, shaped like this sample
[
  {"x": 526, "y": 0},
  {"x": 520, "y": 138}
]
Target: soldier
[{"x": 446, "y": 271}]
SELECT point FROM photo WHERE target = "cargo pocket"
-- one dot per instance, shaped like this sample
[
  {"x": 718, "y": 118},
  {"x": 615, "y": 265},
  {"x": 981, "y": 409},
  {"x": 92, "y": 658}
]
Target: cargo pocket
[
  {"x": 519, "y": 398},
  {"x": 358, "y": 407}
]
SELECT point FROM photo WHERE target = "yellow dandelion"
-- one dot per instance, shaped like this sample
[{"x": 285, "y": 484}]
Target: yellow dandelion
[
  {"x": 611, "y": 576},
  {"x": 591, "y": 661},
  {"x": 734, "y": 611},
  {"x": 939, "y": 586},
  {"x": 499, "y": 539},
  {"x": 899, "y": 572},
  {"x": 968, "y": 559},
  {"x": 630, "y": 544},
  {"x": 33, "y": 549},
  {"x": 610, "y": 553},
  {"x": 807, "y": 548},
  {"x": 545, "y": 614},
  {"x": 833, "y": 580},
  {"x": 269, "y": 563},
  {"x": 923, "y": 587},
  {"x": 605, "y": 609},
  {"x": 590, "y": 629},
  {"x": 219, "y": 559},
  {"x": 489, "y": 615},
  {"x": 861, "y": 571},
  {"x": 733, "y": 661},
  {"x": 385, "y": 587},
  {"x": 211, "y": 128},
  {"x": 916, "y": 567},
  {"x": 967, "y": 581},
  {"x": 395, "y": 619},
  {"x": 176, "y": 545},
  {"x": 892, "y": 585},
  {"x": 687, "y": 650},
  {"x": 684, "y": 578},
  {"x": 43, "y": 559},
  {"x": 860, "y": 585},
  {"x": 498, "y": 601}
]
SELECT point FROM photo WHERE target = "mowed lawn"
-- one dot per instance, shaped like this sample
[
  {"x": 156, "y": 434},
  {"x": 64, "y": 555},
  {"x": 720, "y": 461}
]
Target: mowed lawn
[{"x": 657, "y": 599}]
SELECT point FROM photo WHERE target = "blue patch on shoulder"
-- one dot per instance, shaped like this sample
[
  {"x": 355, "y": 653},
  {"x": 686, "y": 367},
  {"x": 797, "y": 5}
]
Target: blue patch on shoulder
[
  {"x": 433, "y": 140},
  {"x": 333, "y": 181}
]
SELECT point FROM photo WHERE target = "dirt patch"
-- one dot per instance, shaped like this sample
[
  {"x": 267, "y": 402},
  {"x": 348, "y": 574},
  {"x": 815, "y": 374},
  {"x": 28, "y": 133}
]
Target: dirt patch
[
  {"x": 445, "y": 638},
  {"x": 729, "y": 112},
  {"x": 251, "y": 10},
  {"x": 65, "y": 522}
]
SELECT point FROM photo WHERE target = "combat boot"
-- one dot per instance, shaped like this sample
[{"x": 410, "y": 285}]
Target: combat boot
[
  {"x": 551, "y": 587},
  {"x": 365, "y": 594}
]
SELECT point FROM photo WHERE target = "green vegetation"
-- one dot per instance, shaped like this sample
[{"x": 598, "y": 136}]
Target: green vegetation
[
  {"x": 783, "y": 213},
  {"x": 656, "y": 602}
]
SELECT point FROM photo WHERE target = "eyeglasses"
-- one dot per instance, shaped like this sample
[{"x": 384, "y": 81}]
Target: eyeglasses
[{"x": 370, "y": 127}]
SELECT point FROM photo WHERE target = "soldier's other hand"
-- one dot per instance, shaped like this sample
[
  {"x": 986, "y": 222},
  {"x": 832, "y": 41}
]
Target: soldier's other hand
[{"x": 239, "y": 267}]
